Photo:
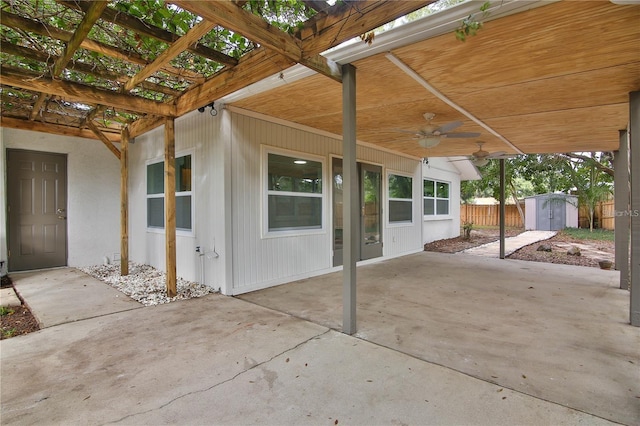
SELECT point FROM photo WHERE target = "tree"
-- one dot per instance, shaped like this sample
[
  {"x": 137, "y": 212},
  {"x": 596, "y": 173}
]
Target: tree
[{"x": 589, "y": 175}]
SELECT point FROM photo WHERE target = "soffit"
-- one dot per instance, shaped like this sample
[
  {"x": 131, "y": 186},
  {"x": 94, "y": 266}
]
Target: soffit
[{"x": 552, "y": 79}]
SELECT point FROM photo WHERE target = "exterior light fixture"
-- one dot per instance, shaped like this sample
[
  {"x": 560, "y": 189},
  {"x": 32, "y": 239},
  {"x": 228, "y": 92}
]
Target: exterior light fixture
[
  {"x": 481, "y": 162},
  {"x": 213, "y": 112},
  {"x": 429, "y": 141}
]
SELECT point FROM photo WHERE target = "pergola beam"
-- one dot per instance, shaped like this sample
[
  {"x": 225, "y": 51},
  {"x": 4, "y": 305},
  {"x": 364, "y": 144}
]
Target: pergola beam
[
  {"x": 195, "y": 34},
  {"x": 77, "y": 92},
  {"x": 91, "y": 125},
  {"x": 55, "y": 129},
  {"x": 131, "y": 22},
  {"x": 233, "y": 17},
  {"x": 24, "y": 24},
  {"x": 42, "y": 97},
  {"x": 91, "y": 16},
  {"x": 345, "y": 20},
  {"x": 255, "y": 66},
  {"x": 124, "y": 203},
  {"x": 170, "y": 206}
]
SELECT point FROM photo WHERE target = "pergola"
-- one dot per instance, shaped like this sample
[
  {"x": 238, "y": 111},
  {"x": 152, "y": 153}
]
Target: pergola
[{"x": 562, "y": 77}]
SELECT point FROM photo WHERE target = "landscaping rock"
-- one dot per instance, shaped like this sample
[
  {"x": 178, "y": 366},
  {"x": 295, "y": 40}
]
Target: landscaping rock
[
  {"x": 574, "y": 251},
  {"x": 605, "y": 264},
  {"x": 544, "y": 247}
]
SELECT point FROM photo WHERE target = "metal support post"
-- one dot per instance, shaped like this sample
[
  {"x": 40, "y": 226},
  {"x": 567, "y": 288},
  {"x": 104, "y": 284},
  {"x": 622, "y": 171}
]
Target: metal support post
[
  {"x": 622, "y": 208},
  {"x": 350, "y": 199},
  {"x": 502, "y": 207},
  {"x": 634, "y": 213}
]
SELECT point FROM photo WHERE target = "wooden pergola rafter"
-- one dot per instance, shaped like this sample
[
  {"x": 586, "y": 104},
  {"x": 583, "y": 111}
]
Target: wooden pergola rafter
[{"x": 277, "y": 50}]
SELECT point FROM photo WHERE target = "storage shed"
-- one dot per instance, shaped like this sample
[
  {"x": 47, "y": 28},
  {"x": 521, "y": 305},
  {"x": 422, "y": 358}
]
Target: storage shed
[{"x": 551, "y": 212}]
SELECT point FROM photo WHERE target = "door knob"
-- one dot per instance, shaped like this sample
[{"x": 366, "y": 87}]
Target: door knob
[
  {"x": 60, "y": 211},
  {"x": 62, "y": 217}
]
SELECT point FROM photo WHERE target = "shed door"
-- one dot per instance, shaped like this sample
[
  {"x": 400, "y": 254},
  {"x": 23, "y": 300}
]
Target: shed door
[
  {"x": 550, "y": 214},
  {"x": 36, "y": 210}
]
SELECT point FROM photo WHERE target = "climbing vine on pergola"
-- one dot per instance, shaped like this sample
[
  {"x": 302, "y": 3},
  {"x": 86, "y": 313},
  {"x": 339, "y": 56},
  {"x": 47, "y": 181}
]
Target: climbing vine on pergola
[{"x": 89, "y": 68}]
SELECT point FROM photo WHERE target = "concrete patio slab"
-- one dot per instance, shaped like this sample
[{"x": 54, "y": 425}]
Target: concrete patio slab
[
  {"x": 560, "y": 333},
  {"x": 220, "y": 360},
  {"x": 8, "y": 297},
  {"x": 57, "y": 296}
]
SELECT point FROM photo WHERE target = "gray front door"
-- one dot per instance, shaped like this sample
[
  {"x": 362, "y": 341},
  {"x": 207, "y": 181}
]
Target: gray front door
[{"x": 36, "y": 210}]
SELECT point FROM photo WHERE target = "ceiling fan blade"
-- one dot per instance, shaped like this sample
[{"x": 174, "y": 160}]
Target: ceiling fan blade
[
  {"x": 448, "y": 127},
  {"x": 462, "y": 135},
  {"x": 460, "y": 159},
  {"x": 411, "y": 132},
  {"x": 497, "y": 154}
]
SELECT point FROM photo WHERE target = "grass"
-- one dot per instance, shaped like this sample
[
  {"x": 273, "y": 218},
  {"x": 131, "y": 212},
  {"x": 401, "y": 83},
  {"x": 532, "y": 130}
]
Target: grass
[
  {"x": 5, "y": 311},
  {"x": 584, "y": 234},
  {"x": 9, "y": 332}
]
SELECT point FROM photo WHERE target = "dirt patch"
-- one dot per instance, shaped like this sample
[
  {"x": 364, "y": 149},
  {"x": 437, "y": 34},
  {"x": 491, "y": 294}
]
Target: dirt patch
[
  {"x": 557, "y": 254},
  {"x": 478, "y": 238},
  {"x": 16, "y": 320}
]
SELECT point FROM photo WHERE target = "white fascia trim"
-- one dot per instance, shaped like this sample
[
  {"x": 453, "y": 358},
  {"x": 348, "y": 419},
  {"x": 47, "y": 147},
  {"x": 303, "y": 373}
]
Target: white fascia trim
[{"x": 430, "y": 26}]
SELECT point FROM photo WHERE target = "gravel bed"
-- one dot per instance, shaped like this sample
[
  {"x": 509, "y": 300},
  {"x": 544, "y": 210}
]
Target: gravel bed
[{"x": 145, "y": 283}]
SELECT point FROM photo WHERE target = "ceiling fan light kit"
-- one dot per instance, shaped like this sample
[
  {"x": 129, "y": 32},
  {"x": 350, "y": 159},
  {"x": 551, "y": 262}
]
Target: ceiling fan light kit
[
  {"x": 431, "y": 135},
  {"x": 429, "y": 142}
]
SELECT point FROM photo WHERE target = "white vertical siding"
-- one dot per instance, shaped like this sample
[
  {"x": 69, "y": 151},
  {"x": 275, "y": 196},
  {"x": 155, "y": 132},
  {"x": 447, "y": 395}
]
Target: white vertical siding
[
  {"x": 93, "y": 193},
  {"x": 441, "y": 227},
  {"x": 228, "y": 201},
  {"x": 259, "y": 261},
  {"x": 200, "y": 135}
]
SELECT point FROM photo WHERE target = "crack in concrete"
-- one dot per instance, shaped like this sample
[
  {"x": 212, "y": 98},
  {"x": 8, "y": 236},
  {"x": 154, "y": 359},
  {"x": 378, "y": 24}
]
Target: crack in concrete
[{"x": 166, "y": 404}]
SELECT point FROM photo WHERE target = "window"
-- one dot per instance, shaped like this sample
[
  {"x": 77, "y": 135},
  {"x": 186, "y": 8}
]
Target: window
[
  {"x": 294, "y": 193},
  {"x": 155, "y": 194},
  {"x": 400, "y": 198},
  {"x": 436, "y": 198}
]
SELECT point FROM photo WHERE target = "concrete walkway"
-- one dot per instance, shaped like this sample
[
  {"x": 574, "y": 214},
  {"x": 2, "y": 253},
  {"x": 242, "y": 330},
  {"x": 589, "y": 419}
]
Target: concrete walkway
[
  {"x": 222, "y": 360},
  {"x": 511, "y": 244}
]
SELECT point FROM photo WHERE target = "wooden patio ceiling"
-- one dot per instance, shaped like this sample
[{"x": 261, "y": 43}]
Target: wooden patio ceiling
[
  {"x": 552, "y": 79},
  {"x": 84, "y": 68}
]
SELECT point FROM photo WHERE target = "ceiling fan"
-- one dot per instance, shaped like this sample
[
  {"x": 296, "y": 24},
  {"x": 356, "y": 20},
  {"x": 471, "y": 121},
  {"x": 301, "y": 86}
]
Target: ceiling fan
[
  {"x": 481, "y": 157},
  {"x": 430, "y": 135}
]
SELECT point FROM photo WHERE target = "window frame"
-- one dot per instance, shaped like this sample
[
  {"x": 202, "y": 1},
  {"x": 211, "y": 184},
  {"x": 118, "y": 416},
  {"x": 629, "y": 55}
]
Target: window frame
[
  {"x": 264, "y": 185},
  {"x": 391, "y": 223},
  {"x": 435, "y": 199},
  {"x": 191, "y": 193}
]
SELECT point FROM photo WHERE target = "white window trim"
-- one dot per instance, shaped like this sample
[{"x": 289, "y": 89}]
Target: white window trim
[
  {"x": 388, "y": 199},
  {"x": 161, "y": 230},
  {"x": 435, "y": 198},
  {"x": 264, "y": 179}
]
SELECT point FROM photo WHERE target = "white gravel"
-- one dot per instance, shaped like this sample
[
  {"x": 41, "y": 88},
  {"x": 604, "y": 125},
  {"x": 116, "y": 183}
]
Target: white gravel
[{"x": 145, "y": 283}]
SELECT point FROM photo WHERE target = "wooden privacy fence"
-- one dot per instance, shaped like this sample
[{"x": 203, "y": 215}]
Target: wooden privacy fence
[
  {"x": 483, "y": 215},
  {"x": 604, "y": 215}
]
